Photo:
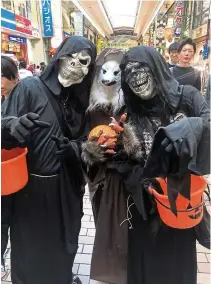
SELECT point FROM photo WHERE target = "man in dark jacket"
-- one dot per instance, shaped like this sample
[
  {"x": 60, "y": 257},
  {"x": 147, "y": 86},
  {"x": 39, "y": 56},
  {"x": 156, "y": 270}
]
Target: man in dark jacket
[
  {"x": 173, "y": 53},
  {"x": 156, "y": 253},
  {"x": 183, "y": 72},
  {"x": 46, "y": 214}
]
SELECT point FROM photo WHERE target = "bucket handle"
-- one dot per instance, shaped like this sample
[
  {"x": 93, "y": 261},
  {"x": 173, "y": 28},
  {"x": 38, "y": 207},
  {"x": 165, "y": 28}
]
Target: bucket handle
[
  {"x": 207, "y": 192},
  {"x": 187, "y": 210}
]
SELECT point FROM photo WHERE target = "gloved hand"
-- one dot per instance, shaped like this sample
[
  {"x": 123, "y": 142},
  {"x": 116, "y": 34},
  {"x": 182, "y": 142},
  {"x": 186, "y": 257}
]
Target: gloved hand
[
  {"x": 20, "y": 127},
  {"x": 171, "y": 156},
  {"x": 98, "y": 149},
  {"x": 65, "y": 147},
  {"x": 127, "y": 138}
]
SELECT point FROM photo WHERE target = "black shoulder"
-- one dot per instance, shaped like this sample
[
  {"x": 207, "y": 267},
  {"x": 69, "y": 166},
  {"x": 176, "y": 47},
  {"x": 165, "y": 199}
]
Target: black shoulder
[{"x": 194, "y": 102}]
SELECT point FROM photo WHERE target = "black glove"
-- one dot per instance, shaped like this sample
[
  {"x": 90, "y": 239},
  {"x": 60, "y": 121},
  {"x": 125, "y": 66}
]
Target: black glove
[
  {"x": 20, "y": 127},
  {"x": 171, "y": 155},
  {"x": 66, "y": 148}
]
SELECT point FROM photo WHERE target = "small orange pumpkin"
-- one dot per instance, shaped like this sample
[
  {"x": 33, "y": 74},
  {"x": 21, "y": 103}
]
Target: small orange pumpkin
[{"x": 106, "y": 130}]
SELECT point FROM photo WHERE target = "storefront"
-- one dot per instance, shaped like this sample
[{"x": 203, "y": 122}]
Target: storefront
[
  {"x": 11, "y": 44},
  {"x": 14, "y": 33},
  {"x": 200, "y": 37}
]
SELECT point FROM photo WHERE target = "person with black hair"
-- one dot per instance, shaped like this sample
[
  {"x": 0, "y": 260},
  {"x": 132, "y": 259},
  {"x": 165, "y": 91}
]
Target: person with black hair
[
  {"x": 47, "y": 114},
  {"x": 9, "y": 75},
  {"x": 42, "y": 67},
  {"x": 183, "y": 72},
  {"x": 173, "y": 53},
  {"x": 9, "y": 78},
  {"x": 23, "y": 72}
]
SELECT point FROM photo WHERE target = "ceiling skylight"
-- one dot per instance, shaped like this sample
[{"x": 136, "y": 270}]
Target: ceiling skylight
[{"x": 121, "y": 13}]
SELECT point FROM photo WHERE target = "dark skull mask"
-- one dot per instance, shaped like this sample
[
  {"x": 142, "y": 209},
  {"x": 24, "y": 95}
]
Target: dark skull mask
[
  {"x": 73, "y": 69},
  {"x": 140, "y": 80}
]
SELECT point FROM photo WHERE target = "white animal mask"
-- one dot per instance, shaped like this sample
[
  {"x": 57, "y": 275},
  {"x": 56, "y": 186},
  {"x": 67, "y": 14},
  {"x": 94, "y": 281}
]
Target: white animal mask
[
  {"x": 73, "y": 68},
  {"x": 110, "y": 73}
]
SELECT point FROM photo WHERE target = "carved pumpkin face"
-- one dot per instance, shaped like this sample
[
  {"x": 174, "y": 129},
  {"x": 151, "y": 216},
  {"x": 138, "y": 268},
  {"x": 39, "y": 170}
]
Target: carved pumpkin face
[
  {"x": 196, "y": 213},
  {"x": 189, "y": 212},
  {"x": 106, "y": 130}
]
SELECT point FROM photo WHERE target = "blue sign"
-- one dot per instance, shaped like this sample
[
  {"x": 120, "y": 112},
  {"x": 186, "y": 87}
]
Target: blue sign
[
  {"x": 17, "y": 39},
  {"x": 8, "y": 19},
  {"x": 47, "y": 18}
]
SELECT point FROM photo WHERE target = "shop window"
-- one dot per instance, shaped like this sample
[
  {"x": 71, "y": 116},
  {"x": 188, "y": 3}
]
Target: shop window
[
  {"x": 28, "y": 9},
  {"x": 201, "y": 13},
  {"x": 198, "y": 7},
  {"x": 20, "y": 8},
  {"x": 7, "y": 5}
]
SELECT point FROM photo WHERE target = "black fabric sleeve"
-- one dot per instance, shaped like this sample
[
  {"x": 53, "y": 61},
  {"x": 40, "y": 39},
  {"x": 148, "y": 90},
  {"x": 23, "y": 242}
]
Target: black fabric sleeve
[
  {"x": 14, "y": 106},
  {"x": 198, "y": 81},
  {"x": 193, "y": 103},
  {"x": 200, "y": 106}
]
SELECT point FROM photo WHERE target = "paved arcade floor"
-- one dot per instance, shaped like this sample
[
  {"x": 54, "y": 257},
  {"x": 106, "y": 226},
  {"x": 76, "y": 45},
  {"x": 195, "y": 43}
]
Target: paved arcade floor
[{"x": 86, "y": 240}]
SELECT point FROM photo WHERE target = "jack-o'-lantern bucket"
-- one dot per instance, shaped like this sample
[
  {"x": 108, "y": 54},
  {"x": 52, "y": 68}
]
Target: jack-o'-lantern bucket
[
  {"x": 189, "y": 212},
  {"x": 14, "y": 172}
]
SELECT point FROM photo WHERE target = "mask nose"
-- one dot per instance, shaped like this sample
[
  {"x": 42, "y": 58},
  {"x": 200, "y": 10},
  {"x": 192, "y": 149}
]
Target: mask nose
[
  {"x": 105, "y": 82},
  {"x": 72, "y": 63}
]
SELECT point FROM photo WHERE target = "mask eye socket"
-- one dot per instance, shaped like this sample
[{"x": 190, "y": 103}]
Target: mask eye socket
[
  {"x": 83, "y": 62},
  {"x": 104, "y": 71},
  {"x": 116, "y": 72}
]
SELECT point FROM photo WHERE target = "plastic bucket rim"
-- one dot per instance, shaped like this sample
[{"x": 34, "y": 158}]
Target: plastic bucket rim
[
  {"x": 165, "y": 197},
  {"x": 181, "y": 211},
  {"x": 16, "y": 158}
]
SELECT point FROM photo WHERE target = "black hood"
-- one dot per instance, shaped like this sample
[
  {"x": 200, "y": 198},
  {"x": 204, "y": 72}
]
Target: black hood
[
  {"x": 166, "y": 84},
  {"x": 70, "y": 45}
]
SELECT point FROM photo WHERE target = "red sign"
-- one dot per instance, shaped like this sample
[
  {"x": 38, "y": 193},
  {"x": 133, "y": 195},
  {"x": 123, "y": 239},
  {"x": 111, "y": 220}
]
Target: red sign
[{"x": 23, "y": 25}]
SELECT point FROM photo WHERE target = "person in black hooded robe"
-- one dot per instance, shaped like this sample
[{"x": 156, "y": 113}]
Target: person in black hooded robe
[
  {"x": 45, "y": 216},
  {"x": 153, "y": 98}
]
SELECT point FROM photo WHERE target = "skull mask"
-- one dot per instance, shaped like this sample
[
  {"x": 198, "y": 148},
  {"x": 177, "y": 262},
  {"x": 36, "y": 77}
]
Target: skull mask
[
  {"x": 140, "y": 80},
  {"x": 73, "y": 69}
]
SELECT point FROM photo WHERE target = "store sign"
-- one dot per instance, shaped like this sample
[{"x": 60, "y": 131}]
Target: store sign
[
  {"x": 124, "y": 32},
  {"x": 179, "y": 12},
  {"x": 119, "y": 45},
  {"x": 15, "y": 22},
  {"x": 17, "y": 39},
  {"x": 23, "y": 25},
  {"x": 8, "y": 19},
  {"x": 47, "y": 18}
]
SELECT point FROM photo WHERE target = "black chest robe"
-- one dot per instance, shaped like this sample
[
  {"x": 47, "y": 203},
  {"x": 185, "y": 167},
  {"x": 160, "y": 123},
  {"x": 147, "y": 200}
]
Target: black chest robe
[{"x": 46, "y": 215}]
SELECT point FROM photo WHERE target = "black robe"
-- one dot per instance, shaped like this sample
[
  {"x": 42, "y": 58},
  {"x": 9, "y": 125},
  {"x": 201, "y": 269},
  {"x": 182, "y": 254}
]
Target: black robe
[
  {"x": 156, "y": 254},
  {"x": 171, "y": 256},
  {"x": 45, "y": 216}
]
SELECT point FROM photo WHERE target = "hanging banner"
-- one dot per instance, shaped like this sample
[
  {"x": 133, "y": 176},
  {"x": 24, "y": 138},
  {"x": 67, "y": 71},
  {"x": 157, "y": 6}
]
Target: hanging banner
[
  {"x": 47, "y": 18},
  {"x": 160, "y": 31},
  {"x": 179, "y": 12}
]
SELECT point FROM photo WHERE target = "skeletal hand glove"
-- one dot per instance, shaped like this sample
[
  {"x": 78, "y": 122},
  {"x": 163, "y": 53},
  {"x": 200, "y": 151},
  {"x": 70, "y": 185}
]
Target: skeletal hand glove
[
  {"x": 65, "y": 147},
  {"x": 20, "y": 127},
  {"x": 128, "y": 137},
  {"x": 98, "y": 149}
]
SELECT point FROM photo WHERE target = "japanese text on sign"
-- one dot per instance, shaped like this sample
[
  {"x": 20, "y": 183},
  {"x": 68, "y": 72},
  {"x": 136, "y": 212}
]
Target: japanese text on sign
[
  {"x": 179, "y": 11},
  {"x": 47, "y": 18}
]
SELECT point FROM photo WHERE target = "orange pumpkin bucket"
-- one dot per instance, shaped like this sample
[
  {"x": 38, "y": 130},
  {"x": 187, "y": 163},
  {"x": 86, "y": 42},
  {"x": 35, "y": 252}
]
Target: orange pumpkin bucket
[
  {"x": 189, "y": 212},
  {"x": 14, "y": 173}
]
